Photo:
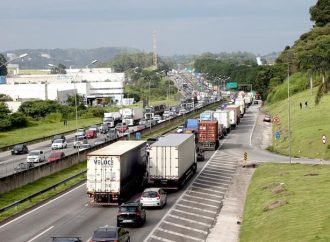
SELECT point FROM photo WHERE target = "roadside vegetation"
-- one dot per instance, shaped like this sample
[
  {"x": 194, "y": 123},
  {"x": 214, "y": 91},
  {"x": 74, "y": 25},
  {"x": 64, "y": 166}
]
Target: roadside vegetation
[
  {"x": 34, "y": 187},
  {"x": 287, "y": 203}
]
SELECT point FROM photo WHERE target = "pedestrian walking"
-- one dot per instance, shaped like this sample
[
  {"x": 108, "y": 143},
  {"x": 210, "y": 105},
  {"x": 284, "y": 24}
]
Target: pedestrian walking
[
  {"x": 306, "y": 105},
  {"x": 300, "y": 105}
]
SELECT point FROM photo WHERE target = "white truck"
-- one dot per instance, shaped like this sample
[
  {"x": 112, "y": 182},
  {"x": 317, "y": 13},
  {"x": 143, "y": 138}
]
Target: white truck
[
  {"x": 233, "y": 115},
  {"x": 172, "y": 161},
  {"x": 131, "y": 116},
  {"x": 223, "y": 118},
  {"x": 116, "y": 172},
  {"x": 248, "y": 99},
  {"x": 241, "y": 102},
  {"x": 111, "y": 119}
]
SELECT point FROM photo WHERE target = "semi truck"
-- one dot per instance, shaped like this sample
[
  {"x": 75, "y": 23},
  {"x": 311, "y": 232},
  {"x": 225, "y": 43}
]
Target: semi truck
[
  {"x": 172, "y": 161},
  {"x": 151, "y": 111},
  {"x": 131, "y": 116},
  {"x": 111, "y": 119},
  {"x": 241, "y": 103},
  {"x": 115, "y": 172},
  {"x": 208, "y": 135},
  {"x": 223, "y": 118}
]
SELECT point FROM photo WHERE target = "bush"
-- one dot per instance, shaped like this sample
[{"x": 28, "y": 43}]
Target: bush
[
  {"x": 18, "y": 120},
  {"x": 54, "y": 117},
  {"x": 5, "y": 124}
]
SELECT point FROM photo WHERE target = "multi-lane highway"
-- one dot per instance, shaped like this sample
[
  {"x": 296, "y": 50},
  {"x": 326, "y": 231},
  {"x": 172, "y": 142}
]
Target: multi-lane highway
[{"x": 70, "y": 214}]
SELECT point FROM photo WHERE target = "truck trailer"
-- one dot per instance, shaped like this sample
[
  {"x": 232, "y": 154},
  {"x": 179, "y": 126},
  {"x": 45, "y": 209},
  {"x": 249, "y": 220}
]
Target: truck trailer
[
  {"x": 208, "y": 135},
  {"x": 236, "y": 117},
  {"x": 172, "y": 161},
  {"x": 223, "y": 118},
  {"x": 116, "y": 172}
]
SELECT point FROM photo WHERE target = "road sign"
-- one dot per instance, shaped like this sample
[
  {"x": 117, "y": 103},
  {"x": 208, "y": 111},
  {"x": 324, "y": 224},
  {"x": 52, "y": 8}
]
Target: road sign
[
  {"x": 245, "y": 156},
  {"x": 324, "y": 139},
  {"x": 277, "y": 135},
  {"x": 276, "y": 120},
  {"x": 231, "y": 85}
]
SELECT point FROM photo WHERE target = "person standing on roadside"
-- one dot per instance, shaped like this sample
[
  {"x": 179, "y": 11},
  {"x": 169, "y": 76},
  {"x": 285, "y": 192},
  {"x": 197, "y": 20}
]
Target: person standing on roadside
[
  {"x": 306, "y": 105},
  {"x": 300, "y": 105}
]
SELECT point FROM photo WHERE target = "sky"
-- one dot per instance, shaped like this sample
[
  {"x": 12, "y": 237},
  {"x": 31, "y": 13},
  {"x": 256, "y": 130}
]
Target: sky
[{"x": 181, "y": 26}]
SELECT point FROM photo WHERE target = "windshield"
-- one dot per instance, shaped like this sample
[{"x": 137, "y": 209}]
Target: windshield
[
  {"x": 150, "y": 194},
  {"x": 34, "y": 153},
  {"x": 18, "y": 146},
  {"x": 58, "y": 141},
  {"x": 105, "y": 234},
  {"x": 127, "y": 209}
]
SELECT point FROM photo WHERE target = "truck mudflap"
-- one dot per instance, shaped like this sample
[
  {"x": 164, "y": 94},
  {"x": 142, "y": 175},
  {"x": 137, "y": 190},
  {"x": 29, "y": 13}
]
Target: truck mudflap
[
  {"x": 173, "y": 183},
  {"x": 208, "y": 145}
]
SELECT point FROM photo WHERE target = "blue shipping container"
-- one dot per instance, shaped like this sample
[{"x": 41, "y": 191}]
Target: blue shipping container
[
  {"x": 192, "y": 124},
  {"x": 3, "y": 80}
]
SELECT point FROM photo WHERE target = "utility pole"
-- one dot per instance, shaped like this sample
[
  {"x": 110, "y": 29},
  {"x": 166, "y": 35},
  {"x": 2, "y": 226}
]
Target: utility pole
[
  {"x": 289, "y": 115},
  {"x": 154, "y": 47}
]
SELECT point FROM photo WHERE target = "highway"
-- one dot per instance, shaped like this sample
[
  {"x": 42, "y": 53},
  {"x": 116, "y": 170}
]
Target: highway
[{"x": 70, "y": 215}]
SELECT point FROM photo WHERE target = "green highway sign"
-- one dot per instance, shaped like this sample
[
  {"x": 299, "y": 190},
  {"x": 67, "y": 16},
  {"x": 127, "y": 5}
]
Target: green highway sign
[{"x": 231, "y": 85}]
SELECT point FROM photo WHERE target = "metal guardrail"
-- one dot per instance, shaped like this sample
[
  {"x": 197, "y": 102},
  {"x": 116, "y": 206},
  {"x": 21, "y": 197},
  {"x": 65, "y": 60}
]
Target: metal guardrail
[{"x": 40, "y": 192}]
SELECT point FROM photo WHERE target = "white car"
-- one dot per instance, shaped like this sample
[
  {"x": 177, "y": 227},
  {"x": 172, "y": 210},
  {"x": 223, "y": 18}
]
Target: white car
[
  {"x": 59, "y": 144},
  {"x": 84, "y": 147},
  {"x": 179, "y": 130},
  {"x": 153, "y": 197},
  {"x": 80, "y": 132},
  {"x": 36, "y": 156}
]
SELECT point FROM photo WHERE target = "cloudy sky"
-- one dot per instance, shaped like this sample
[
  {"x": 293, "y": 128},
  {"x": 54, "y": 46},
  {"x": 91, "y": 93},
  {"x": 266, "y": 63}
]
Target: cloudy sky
[{"x": 182, "y": 26}]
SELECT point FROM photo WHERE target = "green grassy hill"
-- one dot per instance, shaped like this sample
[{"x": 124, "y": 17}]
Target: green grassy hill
[
  {"x": 287, "y": 203},
  {"x": 307, "y": 124}
]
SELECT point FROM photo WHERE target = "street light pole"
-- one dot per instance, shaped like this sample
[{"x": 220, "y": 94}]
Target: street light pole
[
  {"x": 289, "y": 115},
  {"x": 19, "y": 57}
]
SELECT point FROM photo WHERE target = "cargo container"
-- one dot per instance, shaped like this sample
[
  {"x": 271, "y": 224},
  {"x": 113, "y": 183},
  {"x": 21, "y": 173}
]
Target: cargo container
[
  {"x": 223, "y": 118},
  {"x": 115, "y": 172},
  {"x": 208, "y": 135},
  {"x": 191, "y": 125},
  {"x": 206, "y": 115},
  {"x": 172, "y": 161},
  {"x": 237, "y": 111}
]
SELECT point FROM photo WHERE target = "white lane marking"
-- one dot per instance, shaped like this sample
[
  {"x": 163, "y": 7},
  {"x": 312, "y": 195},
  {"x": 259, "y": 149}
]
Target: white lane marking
[
  {"x": 227, "y": 164},
  {"x": 159, "y": 238},
  {"x": 89, "y": 239},
  {"x": 204, "y": 193},
  {"x": 211, "y": 182},
  {"x": 217, "y": 186},
  {"x": 190, "y": 220},
  {"x": 51, "y": 201},
  {"x": 224, "y": 181},
  {"x": 185, "y": 227},
  {"x": 179, "y": 234},
  {"x": 197, "y": 209},
  {"x": 254, "y": 126},
  {"x": 202, "y": 198},
  {"x": 199, "y": 203},
  {"x": 227, "y": 173},
  {"x": 38, "y": 235},
  {"x": 213, "y": 176},
  {"x": 177, "y": 201},
  {"x": 221, "y": 167},
  {"x": 217, "y": 171},
  {"x": 207, "y": 189}
]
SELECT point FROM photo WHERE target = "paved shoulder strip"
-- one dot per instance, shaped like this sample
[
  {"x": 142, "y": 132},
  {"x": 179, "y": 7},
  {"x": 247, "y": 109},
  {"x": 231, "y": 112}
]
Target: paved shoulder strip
[{"x": 194, "y": 213}]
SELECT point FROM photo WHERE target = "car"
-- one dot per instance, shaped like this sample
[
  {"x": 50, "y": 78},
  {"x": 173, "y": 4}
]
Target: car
[
  {"x": 104, "y": 128},
  {"x": 157, "y": 118},
  {"x": 84, "y": 147},
  {"x": 23, "y": 166},
  {"x": 131, "y": 214},
  {"x": 91, "y": 134},
  {"x": 110, "y": 233},
  {"x": 179, "y": 129},
  {"x": 20, "y": 149},
  {"x": 59, "y": 144},
  {"x": 121, "y": 127},
  {"x": 79, "y": 141},
  {"x": 55, "y": 155},
  {"x": 58, "y": 136},
  {"x": 80, "y": 132},
  {"x": 66, "y": 239},
  {"x": 255, "y": 102},
  {"x": 112, "y": 134},
  {"x": 153, "y": 197},
  {"x": 36, "y": 156},
  {"x": 267, "y": 118},
  {"x": 95, "y": 128}
]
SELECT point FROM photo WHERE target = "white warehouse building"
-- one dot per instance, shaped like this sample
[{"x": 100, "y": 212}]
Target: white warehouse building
[{"x": 95, "y": 84}]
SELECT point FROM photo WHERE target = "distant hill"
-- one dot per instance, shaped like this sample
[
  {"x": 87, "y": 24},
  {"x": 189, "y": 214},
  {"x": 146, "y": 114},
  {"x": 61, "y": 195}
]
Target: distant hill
[{"x": 77, "y": 58}]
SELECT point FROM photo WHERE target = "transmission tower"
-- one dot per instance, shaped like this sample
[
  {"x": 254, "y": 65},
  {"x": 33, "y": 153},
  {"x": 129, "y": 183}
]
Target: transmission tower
[{"x": 154, "y": 47}]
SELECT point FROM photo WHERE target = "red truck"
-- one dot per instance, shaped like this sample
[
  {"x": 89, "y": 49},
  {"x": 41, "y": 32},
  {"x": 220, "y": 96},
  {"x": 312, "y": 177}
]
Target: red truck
[{"x": 208, "y": 135}]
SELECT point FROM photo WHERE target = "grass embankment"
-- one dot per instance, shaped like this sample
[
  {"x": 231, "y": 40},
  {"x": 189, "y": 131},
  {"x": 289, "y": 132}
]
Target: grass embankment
[
  {"x": 31, "y": 188},
  {"x": 42, "y": 130},
  {"x": 288, "y": 203},
  {"x": 307, "y": 125}
]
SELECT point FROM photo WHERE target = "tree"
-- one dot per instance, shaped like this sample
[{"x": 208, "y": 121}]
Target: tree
[
  {"x": 320, "y": 13},
  {"x": 60, "y": 69},
  {"x": 3, "y": 67},
  {"x": 4, "y": 110}
]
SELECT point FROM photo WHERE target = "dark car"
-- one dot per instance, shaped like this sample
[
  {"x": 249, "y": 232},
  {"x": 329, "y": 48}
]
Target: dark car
[
  {"x": 109, "y": 233},
  {"x": 104, "y": 128},
  {"x": 131, "y": 214},
  {"x": 23, "y": 166},
  {"x": 67, "y": 239},
  {"x": 58, "y": 136},
  {"x": 121, "y": 127},
  {"x": 20, "y": 149}
]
